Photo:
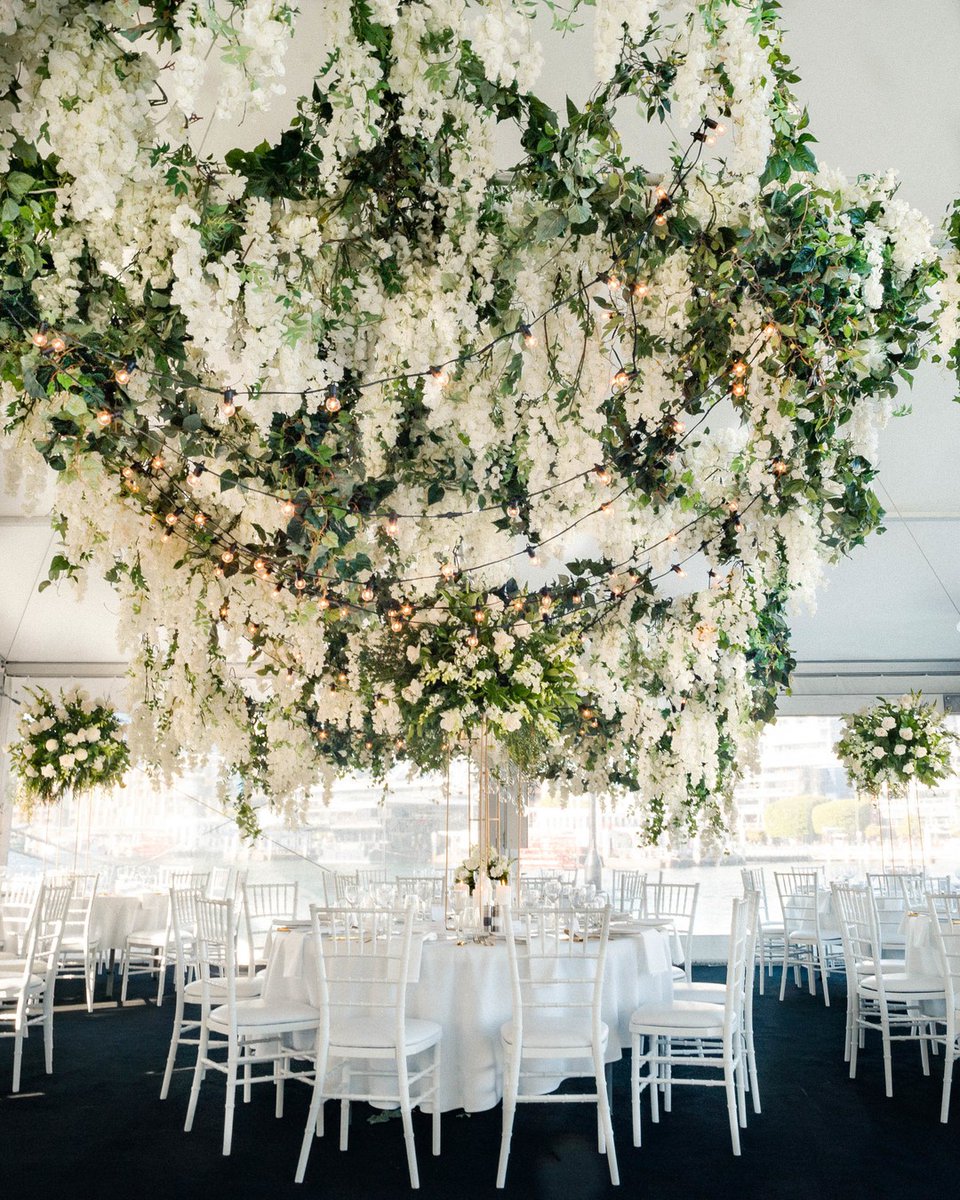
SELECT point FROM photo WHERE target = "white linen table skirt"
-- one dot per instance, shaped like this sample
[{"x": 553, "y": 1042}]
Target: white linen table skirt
[
  {"x": 466, "y": 989},
  {"x": 114, "y": 918}
]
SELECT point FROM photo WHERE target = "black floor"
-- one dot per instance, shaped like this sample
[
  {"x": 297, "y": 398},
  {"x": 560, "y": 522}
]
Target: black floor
[{"x": 96, "y": 1128}]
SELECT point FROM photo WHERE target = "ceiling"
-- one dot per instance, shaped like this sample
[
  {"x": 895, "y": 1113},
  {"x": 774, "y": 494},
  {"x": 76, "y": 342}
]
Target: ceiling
[{"x": 879, "y": 78}]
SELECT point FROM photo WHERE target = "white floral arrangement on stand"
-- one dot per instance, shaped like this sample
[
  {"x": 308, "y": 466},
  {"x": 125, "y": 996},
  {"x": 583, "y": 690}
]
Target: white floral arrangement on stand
[
  {"x": 895, "y": 743},
  {"x": 66, "y": 744},
  {"x": 497, "y": 868}
]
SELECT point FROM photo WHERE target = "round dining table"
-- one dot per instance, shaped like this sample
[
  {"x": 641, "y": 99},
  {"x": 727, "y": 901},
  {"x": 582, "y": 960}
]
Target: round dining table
[{"x": 465, "y": 987}]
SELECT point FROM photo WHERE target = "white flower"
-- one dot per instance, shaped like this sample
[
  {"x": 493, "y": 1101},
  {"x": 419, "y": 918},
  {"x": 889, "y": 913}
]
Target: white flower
[
  {"x": 70, "y": 739},
  {"x": 31, "y": 772},
  {"x": 51, "y": 744},
  {"x": 511, "y": 721},
  {"x": 878, "y": 752},
  {"x": 920, "y": 752},
  {"x": 92, "y": 733},
  {"x": 906, "y": 733},
  {"x": 47, "y": 771},
  {"x": 81, "y": 754},
  {"x": 899, "y": 749},
  {"x": 413, "y": 654},
  {"x": 66, "y": 761}
]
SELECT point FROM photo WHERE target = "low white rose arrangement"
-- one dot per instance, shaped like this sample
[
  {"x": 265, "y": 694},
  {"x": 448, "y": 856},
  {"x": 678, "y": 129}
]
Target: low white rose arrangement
[
  {"x": 70, "y": 743},
  {"x": 497, "y": 868},
  {"x": 894, "y": 743}
]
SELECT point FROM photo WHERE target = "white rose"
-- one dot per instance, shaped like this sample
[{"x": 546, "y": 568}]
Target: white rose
[
  {"x": 888, "y": 723},
  {"x": 908, "y": 768},
  {"x": 47, "y": 771},
  {"x": 92, "y": 734},
  {"x": 907, "y": 733},
  {"x": 81, "y": 755},
  {"x": 66, "y": 761},
  {"x": 70, "y": 739},
  {"x": 31, "y": 772},
  {"x": 878, "y": 752},
  {"x": 920, "y": 752},
  {"x": 51, "y": 744},
  {"x": 451, "y": 721},
  {"x": 899, "y": 748},
  {"x": 98, "y": 764},
  {"x": 413, "y": 654}
]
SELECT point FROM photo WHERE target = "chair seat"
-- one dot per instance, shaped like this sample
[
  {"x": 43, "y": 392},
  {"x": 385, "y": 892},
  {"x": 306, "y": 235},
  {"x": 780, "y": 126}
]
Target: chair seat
[
  {"x": 805, "y": 935},
  {"x": 380, "y": 1033},
  {"x": 705, "y": 993},
  {"x": 685, "y": 1016},
  {"x": 78, "y": 944},
  {"x": 11, "y": 984},
  {"x": 147, "y": 937},
  {"x": 246, "y": 988},
  {"x": 286, "y": 1015},
  {"x": 898, "y": 982},
  {"x": 563, "y": 1033}
]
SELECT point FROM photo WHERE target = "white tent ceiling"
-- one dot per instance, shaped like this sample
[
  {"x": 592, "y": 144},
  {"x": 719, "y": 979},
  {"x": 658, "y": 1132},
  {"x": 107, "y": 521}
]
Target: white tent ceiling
[{"x": 879, "y": 78}]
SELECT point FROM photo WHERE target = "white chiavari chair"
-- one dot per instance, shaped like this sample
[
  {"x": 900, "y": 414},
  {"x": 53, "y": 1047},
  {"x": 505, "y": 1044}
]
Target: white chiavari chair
[
  {"x": 676, "y": 904},
  {"x": 769, "y": 927},
  {"x": 944, "y": 910},
  {"x": 263, "y": 906},
  {"x": 79, "y": 947},
  {"x": 806, "y": 947},
  {"x": 147, "y": 951}
]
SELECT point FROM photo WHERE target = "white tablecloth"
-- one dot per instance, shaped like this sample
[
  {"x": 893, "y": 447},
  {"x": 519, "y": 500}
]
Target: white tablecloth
[
  {"x": 920, "y": 951},
  {"x": 114, "y": 918},
  {"x": 466, "y": 989}
]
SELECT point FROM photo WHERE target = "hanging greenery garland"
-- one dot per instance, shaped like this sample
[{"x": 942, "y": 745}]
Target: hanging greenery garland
[
  {"x": 381, "y": 442},
  {"x": 66, "y": 744}
]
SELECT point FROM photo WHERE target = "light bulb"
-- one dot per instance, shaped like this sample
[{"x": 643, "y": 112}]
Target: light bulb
[
  {"x": 289, "y": 508},
  {"x": 393, "y": 525},
  {"x": 472, "y": 640},
  {"x": 228, "y": 403},
  {"x": 123, "y": 374},
  {"x": 58, "y": 345},
  {"x": 739, "y": 368},
  {"x": 640, "y": 289},
  {"x": 104, "y": 418},
  {"x": 660, "y": 220},
  {"x": 172, "y": 517},
  {"x": 529, "y": 337},
  {"x": 440, "y": 376},
  {"x": 739, "y": 389},
  {"x": 406, "y": 608},
  {"x": 200, "y": 519},
  {"x": 299, "y": 583},
  {"x": 367, "y": 593},
  {"x": 40, "y": 337},
  {"x": 602, "y": 474},
  {"x": 157, "y": 463},
  {"x": 448, "y": 570},
  {"x": 332, "y": 399},
  {"x": 396, "y": 625},
  {"x": 228, "y": 556}
]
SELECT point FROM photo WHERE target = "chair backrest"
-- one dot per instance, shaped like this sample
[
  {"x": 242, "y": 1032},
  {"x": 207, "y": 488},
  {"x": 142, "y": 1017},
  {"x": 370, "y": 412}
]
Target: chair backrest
[
  {"x": 891, "y": 883},
  {"x": 343, "y": 882},
  {"x": 754, "y": 880},
  {"x": 83, "y": 892},
  {"x": 183, "y": 923},
  {"x": 944, "y": 910},
  {"x": 894, "y": 892},
  {"x": 368, "y": 877},
  {"x": 216, "y": 957},
  {"x": 677, "y": 903},
  {"x": 18, "y": 903},
  {"x": 226, "y": 883},
  {"x": 855, "y": 909},
  {"x": 197, "y": 880},
  {"x": 801, "y": 894},
  {"x": 557, "y": 957},
  {"x": 42, "y": 954},
  {"x": 628, "y": 891},
  {"x": 368, "y": 959},
  {"x": 742, "y": 951},
  {"x": 263, "y": 904}
]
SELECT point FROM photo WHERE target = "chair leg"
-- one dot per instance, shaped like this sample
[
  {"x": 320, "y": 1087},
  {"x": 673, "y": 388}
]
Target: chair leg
[
  {"x": 174, "y": 1043},
  {"x": 232, "y": 1054},
  {"x": 752, "y": 1068},
  {"x": 786, "y": 967},
  {"x": 406, "y": 1116},
  {"x": 198, "y": 1073},
  {"x": 856, "y": 1032},
  {"x": 887, "y": 1063},
  {"x": 949, "y": 1052},
  {"x": 435, "y": 1117},
  {"x": 606, "y": 1124},
  {"x": 741, "y": 1078},
  {"x": 125, "y": 975},
  {"x": 314, "y": 1119},
  {"x": 653, "y": 1077},
  {"x": 731, "y": 1090},
  {"x": 89, "y": 974},
  {"x": 821, "y": 954},
  {"x": 17, "y": 1058},
  {"x": 511, "y": 1085},
  {"x": 635, "y": 1086},
  {"x": 162, "y": 976},
  {"x": 762, "y": 957},
  {"x": 344, "y": 1106},
  {"x": 48, "y": 1036}
]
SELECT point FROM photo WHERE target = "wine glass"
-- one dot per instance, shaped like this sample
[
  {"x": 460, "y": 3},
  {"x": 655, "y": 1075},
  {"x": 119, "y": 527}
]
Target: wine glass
[
  {"x": 459, "y": 900},
  {"x": 551, "y": 891}
]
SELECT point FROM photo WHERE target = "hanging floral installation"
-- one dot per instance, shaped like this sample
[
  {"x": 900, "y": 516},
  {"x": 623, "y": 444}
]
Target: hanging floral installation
[
  {"x": 66, "y": 744},
  {"x": 382, "y": 442},
  {"x": 896, "y": 743}
]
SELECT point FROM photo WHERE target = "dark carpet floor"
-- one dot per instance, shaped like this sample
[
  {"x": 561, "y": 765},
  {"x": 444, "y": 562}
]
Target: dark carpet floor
[{"x": 96, "y": 1128}]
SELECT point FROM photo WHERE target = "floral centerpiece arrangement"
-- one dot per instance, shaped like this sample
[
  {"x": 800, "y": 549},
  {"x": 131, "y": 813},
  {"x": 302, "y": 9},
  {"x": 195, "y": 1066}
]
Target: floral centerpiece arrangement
[
  {"x": 70, "y": 743},
  {"x": 894, "y": 743},
  {"x": 497, "y": 868}
]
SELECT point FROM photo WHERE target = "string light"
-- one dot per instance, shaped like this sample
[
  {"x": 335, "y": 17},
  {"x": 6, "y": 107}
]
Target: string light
[
  {"x": 224, "y": 610},
  {"x": 367, "y": 592},
  {"x": 228, "y": 405},
  {"x": 778, "y": 466},
  {"x": 393, "y": 524},
  {"x": 440, "y": 376},
  {"x": 299, "y": 582},
  {"x": 173, "y": 516},
  {"x": 448, "y": 571},
  {"x": 288, "y": 508},
  {"x": 157, "y": 463},
  {"x": 513, "y": 510},
  {"x": 396, "y": 625},
  {"x": 739, "y": 368},
  {"x": 678, "y": 570},
  {"x": 406, "y": 609},
  {"x": 200, "y": 519},
  {"x": 739, "y": 389},
  {"x": 620, "y": 380},
  {"x": 228, "y": 555},
  {"x": 193, "y": 479},
  {"x": 602, "y": 474},
  {"x": 58, "y": 345},
  {"x": 104, "y": 418},
  {"x": 640, "y": 290},
  {"x": 606, "y": 508},
  {"x": 40, "y": 338},
  {"x": 529, "y": 337},
  {"x": 331, "y": 400},
  {"x": 124, "y": 374},
  {"x": 532, "y": 555},
  {"x": 472, "y": 639},
  {"x": 769, "y": 329}
]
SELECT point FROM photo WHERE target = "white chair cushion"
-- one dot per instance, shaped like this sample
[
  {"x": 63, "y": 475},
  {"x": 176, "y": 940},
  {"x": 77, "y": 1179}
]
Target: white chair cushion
[
  {"x": 705, "y": 993},
  {"x": 10, "y": 984},
  {"x": 246, "y": 989},
  {"x": 259, "y": 1013},
  {"x": 147, "y": 937},
  {"x": 379, "y": 1033},
  {"x": 901, "y": 983},
  {"x": 686, "y": 1016},
  {"x": 563, "y": 1033},
  {"x": 78, "y": 944}
]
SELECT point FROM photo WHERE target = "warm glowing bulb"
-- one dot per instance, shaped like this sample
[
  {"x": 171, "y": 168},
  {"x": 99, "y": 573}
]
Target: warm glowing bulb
[
  {"x": 253, "y": 628},
  {"x": 323, "y": 603},
  {"x": 228, "y": 404},
  {"x": 778, "y": 466},
  {"x": 104, "y": 417},
  {"x": 620, "y": 380},
  {"x": 671, "y": 538},
  {"x": 739, "y": 368},
  {"x": 218, "y": 571},
  {"x": 678, "y": 426},
  {"x": 332, "y": 399},
  {"x": 546, "y": 601},
  {"x": 602, "y": 474},
  {"x": 606, "y": 508},
  {"x": 769, "y": 329},
  {"x": 440, "y": 377},
  {"x": 289, "y": 509},
  {"x": 576, "y": 598},
  {"x": 58, "y": 345},
  {"x": 473, "y": 640},
  {"x": 396, "y": 625},
  {"x": 124, "y": 374},
  {"x": 678, "y": 570},
  {"x": 529, "y": 337},
  {"x": 200, "y": 519},
  {"x": 224, "y": 611},
  {"x": 640, "y": 289},
  {"x": 513, "y": 510},
  {"x": 367, "y": 593},
  {"x": 259, "y": 565},
  {"x": 299, "y": 583},
  {"x": 227, "y": 556},
  {"x": 739, "y": 389},
  {"x": 393, "y": 525},
  {"x": 661, "y": 193},
  {"x": 193, "y": 479},
  {"x": 721, "y": 129},
  {"x": 127, "y": 472},
  {"x": 157, "y": 463},
  {"x": 448, "y": 570},
  {"x": 40, "y": 338},
  {"x": 532, "y": 554},
  {"x": 660, "y": 219},
  {"x": 406, "y": 608},
  {"x": 172, "y": 517}
]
